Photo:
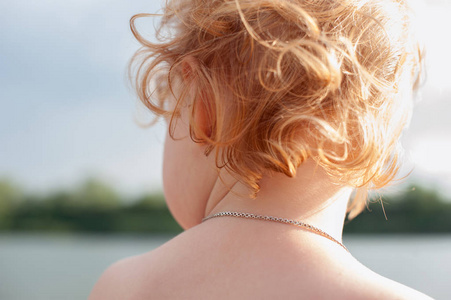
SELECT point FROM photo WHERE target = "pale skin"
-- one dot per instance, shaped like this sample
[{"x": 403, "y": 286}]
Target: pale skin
[{"x": 234, "y": 258}]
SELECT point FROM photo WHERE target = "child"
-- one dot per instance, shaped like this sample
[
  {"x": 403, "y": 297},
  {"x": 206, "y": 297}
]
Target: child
[{"x": 277, "y": 110}]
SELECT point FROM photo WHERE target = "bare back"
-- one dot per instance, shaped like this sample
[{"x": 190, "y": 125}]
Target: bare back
[{"x": 226, "y": 262}]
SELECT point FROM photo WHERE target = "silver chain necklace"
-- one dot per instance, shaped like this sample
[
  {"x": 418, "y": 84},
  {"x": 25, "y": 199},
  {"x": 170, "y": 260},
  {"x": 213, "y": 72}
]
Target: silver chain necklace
[{"x": 274, "y": 219}]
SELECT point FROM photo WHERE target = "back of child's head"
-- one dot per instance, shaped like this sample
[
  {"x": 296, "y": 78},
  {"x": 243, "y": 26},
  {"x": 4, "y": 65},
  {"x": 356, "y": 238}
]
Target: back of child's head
[{"x": 287, "y": 80}]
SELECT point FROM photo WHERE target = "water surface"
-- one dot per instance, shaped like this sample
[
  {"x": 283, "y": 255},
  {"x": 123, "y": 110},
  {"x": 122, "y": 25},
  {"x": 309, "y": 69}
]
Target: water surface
[{"x": 45, "y": 267}]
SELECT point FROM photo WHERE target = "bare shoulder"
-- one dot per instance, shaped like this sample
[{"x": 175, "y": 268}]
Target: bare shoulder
[
  {"x": 366, "y": 284},
  {"x": 389, "y": 289},
  {"x": 118, "y": 281},
  {"x": 151, "y": 275},
  {"x": 135, "y": 277}
]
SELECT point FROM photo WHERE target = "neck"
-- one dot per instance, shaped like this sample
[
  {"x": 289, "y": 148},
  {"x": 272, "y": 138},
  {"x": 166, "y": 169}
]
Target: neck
[{"x": 310, "y": 197}]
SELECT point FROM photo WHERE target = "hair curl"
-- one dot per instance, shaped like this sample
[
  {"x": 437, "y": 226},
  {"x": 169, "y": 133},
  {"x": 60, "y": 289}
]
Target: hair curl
[{"x": 287, "y": 80}]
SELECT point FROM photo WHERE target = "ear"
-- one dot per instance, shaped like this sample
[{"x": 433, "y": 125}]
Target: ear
[
  {"x": 189, "y": 66},
  {"x": 202, "y": 108}
]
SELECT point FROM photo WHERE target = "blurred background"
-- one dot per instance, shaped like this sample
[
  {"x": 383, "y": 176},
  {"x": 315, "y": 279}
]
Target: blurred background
[{"x": 80, "y": 183}]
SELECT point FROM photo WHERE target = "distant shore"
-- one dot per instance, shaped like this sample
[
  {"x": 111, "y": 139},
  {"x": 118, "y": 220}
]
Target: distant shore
[{"x": 95, "y": 207}]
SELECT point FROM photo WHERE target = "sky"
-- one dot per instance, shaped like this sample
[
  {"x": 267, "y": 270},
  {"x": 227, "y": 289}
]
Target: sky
[{"x": 67, "y": 112}]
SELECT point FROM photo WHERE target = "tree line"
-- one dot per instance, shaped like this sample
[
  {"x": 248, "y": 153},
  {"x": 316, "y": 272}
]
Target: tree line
[{"x": 95, "y": 207}]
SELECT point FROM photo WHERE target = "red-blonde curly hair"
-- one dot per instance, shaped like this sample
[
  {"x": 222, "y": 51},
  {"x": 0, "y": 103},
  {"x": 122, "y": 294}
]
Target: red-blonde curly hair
[{"x": 328, "y": 80}]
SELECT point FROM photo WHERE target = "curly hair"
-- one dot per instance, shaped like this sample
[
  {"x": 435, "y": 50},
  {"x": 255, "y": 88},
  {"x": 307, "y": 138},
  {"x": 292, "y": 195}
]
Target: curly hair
[{"x": 289, "y": 80}]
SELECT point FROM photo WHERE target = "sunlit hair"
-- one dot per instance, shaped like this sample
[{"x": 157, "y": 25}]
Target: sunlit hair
[{"x": 287, "y": 80}]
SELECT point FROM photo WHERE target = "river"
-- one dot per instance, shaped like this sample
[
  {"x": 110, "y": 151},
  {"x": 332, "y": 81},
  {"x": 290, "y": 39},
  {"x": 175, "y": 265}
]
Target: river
[{"x": 47, "y": 267}]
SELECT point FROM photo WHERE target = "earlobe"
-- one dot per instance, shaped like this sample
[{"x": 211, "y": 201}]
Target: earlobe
[{"x": 203, "y": 116}]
